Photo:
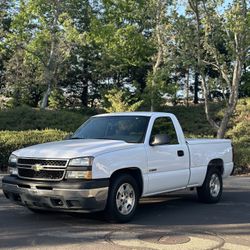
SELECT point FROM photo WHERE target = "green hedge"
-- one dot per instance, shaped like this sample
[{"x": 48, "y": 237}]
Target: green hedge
[
  {"x": 25, "y": 118},
  {"x": 242, "y": 158},
  {"x": 13, "y": 140}
]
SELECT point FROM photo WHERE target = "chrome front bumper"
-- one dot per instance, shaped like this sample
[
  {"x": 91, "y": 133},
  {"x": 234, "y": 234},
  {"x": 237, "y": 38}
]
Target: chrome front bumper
[{"x": 65, "y": 196}]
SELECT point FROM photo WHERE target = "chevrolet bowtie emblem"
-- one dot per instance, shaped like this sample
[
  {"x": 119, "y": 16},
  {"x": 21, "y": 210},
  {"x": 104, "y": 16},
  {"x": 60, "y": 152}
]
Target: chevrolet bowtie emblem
[{"x": 37, "y": 167}]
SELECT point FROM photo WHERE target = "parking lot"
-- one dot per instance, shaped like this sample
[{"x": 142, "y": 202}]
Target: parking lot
[{"x": 173, "y": 221}]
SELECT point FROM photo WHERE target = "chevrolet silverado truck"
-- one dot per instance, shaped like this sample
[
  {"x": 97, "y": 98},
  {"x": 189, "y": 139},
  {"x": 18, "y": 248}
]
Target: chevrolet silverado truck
[{"x": 113, "y": 160}]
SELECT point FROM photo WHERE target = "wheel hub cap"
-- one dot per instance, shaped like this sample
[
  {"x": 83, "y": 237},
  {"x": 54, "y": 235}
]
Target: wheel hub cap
[
  {"x": 214, "y": 185},
  {"x": 125, "y": 198}
]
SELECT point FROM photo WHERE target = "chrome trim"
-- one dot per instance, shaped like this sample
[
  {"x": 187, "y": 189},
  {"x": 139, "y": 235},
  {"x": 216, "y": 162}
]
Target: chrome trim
[
  {"x": 45, "y": 167},
  {"x": 46, "y": 159}
]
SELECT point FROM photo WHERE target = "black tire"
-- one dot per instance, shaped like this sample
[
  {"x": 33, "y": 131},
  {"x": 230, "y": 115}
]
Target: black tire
[
  {"x": 114, "y": 212},
  {"x": 211, "y": 190}
]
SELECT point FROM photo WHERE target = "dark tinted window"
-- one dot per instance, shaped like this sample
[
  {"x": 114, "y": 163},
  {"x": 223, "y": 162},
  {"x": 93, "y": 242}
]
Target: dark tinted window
[
  {"x": 164, "y": 125},
  {"x": 127, "y": 128}
]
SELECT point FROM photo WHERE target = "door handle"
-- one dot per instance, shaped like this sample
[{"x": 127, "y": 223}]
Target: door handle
[
  {"x": 152, "y": 170},
  {"x": 180, "y": 153}
]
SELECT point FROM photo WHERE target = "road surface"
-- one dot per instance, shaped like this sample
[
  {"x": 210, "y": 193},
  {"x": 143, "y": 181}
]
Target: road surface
[{"x": 176, "y": 221}]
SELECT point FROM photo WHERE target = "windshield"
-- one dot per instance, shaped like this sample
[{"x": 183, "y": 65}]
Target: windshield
[{"x": 131, "y": 129}]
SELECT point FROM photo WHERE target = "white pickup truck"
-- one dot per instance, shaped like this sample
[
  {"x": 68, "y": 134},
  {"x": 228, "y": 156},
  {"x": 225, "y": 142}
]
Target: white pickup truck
[{"x": 114, "y": 159}]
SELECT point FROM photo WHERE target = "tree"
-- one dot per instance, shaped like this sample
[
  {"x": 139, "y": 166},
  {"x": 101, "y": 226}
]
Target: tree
[
  {"x": 6, "y": 7},
  {"x": 40, "y": 29},
  {"x": 158, "y": 10},
  {"x": 121, "y": 33},
  {"x": 214, "y": 30},
  {"x": 120, "y": 101},
  {"x": 23, "y": 77},
  {"x": 80, "y": 66}
]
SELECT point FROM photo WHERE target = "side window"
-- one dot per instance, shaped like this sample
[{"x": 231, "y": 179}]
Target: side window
[{"x": 165, "y": 126}]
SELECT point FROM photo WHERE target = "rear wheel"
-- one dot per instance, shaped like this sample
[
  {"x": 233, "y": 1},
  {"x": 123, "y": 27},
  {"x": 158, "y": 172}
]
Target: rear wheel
[
  {"x": 211, "y": 190},
  {"x": 123, "y": 199}
]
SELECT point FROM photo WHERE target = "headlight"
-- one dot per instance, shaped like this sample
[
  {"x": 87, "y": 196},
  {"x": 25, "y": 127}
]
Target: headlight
[
  {"x": 13, "y": 165},
  {"x": 80, "y": 168},
  {"x": 81, "y": 162}
]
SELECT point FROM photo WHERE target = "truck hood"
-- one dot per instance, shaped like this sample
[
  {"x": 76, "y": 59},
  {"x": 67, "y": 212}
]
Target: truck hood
[{"x": 72, "y": 148}]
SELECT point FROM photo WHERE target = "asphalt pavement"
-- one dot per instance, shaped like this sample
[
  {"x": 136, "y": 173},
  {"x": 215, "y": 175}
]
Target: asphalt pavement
[{"x": 175, "y": 221}]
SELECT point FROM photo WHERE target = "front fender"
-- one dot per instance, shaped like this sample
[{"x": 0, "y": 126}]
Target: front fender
[{"x": 106, "y": 164}]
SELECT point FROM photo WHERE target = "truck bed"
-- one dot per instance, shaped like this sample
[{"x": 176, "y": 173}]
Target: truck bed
[{"x": 202, "y": 151}]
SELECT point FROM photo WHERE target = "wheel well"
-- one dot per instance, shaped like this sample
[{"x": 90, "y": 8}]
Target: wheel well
[
  {"x": 218, "y": 164},
  {"x": 133, "y": 171}
]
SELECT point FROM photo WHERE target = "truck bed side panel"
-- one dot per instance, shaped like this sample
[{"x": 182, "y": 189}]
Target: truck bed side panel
[{"x": 202, "y": 153}]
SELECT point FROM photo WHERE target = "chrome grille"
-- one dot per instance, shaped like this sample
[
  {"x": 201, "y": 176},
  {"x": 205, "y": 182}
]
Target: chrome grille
[
  {"x": 41, "y": 169},
  {"x": 42, "y": 174},
  {"x": 42, "y": 162}
]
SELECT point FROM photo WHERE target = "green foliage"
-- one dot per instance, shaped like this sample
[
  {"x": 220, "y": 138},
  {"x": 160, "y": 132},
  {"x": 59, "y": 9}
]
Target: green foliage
[
  {"x": 192, "y": 119},
  {"x": 57, "y": 99},
  {"x": 25, "y": 118},
  {"x": 13, "y": 140},
  {"x": 119, "y": 101},
  {"x": 154, "y": 93},
  {"x": 240, "y": 134}
]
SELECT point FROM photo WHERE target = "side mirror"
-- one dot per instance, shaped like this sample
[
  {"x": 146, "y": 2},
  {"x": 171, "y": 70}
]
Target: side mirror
[
  {"x": 68, "y": 137},
  {"x": 159, "y": 139}
]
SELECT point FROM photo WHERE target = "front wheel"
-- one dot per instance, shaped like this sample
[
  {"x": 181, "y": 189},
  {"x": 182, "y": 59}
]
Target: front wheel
[
  {"x": 123, "y": 199},
  {"x": 211, "y": 190}
]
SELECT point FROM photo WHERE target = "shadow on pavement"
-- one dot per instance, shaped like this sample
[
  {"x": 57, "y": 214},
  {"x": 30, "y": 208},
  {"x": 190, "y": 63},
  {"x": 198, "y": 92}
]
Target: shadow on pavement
[{"x": 177, "y": 212}]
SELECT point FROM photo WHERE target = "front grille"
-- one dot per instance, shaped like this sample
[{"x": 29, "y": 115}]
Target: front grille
[
  {"x": 41, "y": 169},
  {"x": 42, "y": 162},
  {"x": 42, "y": 174}
]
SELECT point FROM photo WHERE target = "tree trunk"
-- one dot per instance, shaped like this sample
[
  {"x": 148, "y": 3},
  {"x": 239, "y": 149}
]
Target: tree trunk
[
  {"x": 48, "y": 82},
  {"x": 45, "y": 99},
  {"x": 233, "y": 99},
  {"x": 187, "y": 89},
  {"x": 161, "y": 5},
  {"x": 196, "y": 88},
  {"x": 50, "y": 66},
  {"x": 206, "y": 102},
  {"x": 84, "y": 96}
]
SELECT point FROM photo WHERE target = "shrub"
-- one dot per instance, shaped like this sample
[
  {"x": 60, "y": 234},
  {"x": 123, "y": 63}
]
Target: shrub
[
  {"x": 25, "y": 118},
  {"x": 240, "y": 134},
  {"x": 13, "y": 140},
  {"x": 56, "y": 99},
  {"x": 120, "y": 101}
]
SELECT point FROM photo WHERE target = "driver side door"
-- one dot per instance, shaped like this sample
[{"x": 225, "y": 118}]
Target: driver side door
[{"x": 168, "y": 164}]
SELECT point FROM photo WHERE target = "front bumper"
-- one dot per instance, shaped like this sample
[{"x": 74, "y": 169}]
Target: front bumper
[{"x": 75, "y": 195}]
